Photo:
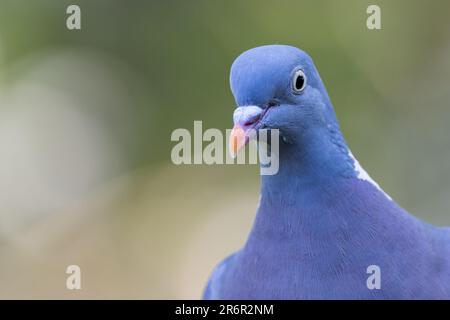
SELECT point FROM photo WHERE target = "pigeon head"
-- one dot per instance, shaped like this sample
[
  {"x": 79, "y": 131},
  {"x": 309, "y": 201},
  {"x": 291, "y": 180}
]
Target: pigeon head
[{"x": 278, "y": 87}]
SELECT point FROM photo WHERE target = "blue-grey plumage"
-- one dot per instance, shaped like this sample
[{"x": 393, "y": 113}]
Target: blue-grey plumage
[{"x": 321, "y": 220}]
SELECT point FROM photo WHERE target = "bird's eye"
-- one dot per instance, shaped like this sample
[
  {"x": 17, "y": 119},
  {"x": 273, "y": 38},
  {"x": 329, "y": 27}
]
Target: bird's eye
[{"x": 299, "y": 81}]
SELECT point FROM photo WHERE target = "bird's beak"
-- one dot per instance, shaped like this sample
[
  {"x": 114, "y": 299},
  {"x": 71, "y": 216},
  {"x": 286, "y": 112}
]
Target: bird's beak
[{"x": 244, "y": 118}]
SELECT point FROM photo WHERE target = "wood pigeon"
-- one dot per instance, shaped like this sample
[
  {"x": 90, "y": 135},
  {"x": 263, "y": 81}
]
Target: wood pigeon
[{"x": 323, "y": 229}]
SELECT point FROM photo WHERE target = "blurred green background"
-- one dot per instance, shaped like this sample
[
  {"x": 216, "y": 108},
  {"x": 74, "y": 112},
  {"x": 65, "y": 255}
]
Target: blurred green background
[{"x": 86, "y": 118}]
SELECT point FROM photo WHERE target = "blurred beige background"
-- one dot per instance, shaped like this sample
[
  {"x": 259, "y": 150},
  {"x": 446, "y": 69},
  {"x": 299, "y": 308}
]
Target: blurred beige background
[{"x": 86, "y": 118}]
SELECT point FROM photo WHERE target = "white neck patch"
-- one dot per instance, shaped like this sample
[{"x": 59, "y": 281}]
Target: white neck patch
[{"x": 363, "y": 175}]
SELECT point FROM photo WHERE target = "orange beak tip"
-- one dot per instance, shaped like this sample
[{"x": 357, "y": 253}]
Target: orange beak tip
[{"x": 237, "y": 140}]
